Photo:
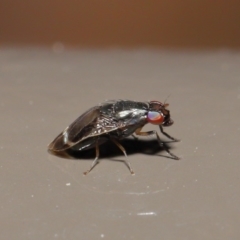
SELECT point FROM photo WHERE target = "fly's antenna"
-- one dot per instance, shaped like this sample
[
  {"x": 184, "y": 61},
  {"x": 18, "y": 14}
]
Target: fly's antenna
[{"x": 166, "y": 104}]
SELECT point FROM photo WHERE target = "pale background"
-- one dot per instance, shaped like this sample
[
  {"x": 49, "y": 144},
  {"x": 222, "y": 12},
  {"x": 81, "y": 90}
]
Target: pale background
[{"x": 57, "y": 60}]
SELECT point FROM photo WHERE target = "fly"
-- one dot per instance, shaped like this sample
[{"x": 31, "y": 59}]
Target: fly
[{"x": 113, "y": 120}]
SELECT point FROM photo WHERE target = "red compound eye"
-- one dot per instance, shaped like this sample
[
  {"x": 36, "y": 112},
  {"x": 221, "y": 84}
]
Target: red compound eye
[{"x": 155, "y": 117}]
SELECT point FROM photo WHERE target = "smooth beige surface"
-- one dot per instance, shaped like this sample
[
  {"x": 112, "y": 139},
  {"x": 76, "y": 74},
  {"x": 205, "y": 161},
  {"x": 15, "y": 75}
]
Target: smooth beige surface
[{"x": 47, "y": 197}]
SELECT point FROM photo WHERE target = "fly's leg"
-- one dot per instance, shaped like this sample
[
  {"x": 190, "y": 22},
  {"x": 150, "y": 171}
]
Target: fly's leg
[
  {"x": 134, "y": 137},
  {"x": 95, "y": 162},
  {"x": 123, "y": 150},
  {"x": 167, "y": 135},
  {"x": 138, "y": 132}
]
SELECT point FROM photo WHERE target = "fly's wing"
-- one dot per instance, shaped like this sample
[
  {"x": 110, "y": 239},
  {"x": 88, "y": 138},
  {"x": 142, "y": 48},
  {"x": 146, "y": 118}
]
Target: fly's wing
[
  {"x": 81, "y": 128},
  {"x": 97, "y": 121}
]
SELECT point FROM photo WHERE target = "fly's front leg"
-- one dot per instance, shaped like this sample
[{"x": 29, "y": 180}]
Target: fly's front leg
[
  {"x": 167, "y": 135},
  {"x": 138, "y": 132},
  {"x": 95, "y": 162}
]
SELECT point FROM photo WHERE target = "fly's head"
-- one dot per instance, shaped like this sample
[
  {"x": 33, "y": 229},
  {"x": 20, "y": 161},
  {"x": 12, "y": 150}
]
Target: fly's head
[{"x": 158, "y": 114}]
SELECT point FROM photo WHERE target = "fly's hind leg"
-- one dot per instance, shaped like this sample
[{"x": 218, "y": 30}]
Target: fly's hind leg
[
  {"x": 138, "y": 132},
  {"x": 95, "y": 162},
  {"x": 124, "y": 151}
]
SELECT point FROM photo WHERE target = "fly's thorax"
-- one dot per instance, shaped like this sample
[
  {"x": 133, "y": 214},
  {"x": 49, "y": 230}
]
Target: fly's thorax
[
  {"x": 124, "y": 110},
  {"x": 127, "y": 105},
  {"x": 115, "y": 106}
]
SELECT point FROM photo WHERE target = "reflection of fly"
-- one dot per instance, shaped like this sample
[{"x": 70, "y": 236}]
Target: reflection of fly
[{"x": 113, "y": 120}]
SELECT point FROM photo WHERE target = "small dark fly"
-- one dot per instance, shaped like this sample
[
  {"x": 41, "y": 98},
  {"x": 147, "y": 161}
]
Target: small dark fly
[{"x": 113, "y": 120}]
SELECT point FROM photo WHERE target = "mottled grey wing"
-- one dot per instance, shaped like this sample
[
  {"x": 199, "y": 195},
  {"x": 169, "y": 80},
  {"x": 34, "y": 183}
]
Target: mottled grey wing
[
  {"x": 96, "y": 122},
  {"x": 82, "y": 127}
]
